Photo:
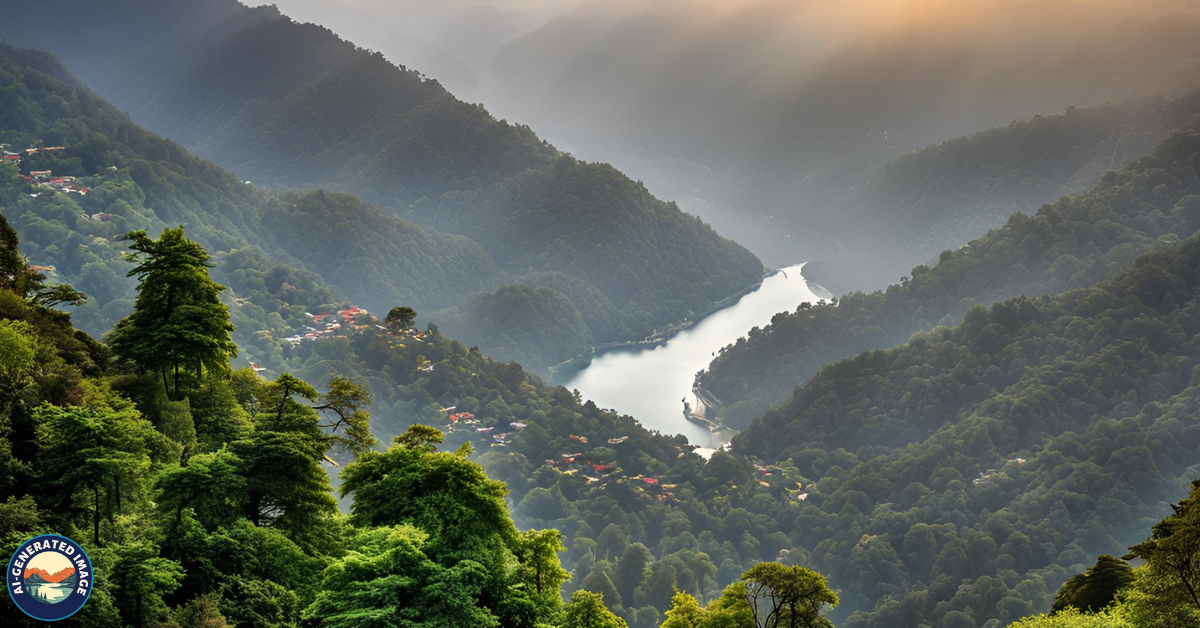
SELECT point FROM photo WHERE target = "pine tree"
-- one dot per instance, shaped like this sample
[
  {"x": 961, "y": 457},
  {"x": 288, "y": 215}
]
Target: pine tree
[{"x": 178, "y": 321}]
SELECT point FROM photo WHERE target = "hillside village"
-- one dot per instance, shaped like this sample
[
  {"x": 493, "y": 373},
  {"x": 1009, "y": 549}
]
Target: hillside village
[{"x": 43, "y": 178}]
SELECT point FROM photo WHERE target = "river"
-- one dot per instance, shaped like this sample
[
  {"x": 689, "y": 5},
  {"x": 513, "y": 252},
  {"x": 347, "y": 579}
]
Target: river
[{"x": 649, "y": 384}]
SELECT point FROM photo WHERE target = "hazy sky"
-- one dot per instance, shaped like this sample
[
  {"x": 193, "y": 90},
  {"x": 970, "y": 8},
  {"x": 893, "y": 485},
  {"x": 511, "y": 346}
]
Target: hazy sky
[{"x": 776, "y": 93}]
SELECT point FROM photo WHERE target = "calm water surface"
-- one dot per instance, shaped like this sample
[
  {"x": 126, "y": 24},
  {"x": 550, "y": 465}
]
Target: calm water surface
[
  {"x": 650, "y": 384},
  {"x": 53, "y": 592}
]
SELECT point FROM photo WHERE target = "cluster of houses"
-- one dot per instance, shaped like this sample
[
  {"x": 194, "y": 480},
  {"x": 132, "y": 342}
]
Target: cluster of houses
[
  {"x": 15, "y": 158},
  {"x": 396, "y": 340},
  {"x": 329, "y": 325},
  {"x": 466, "y": 422},
  {"x": 569, "y": 463},
  {"x": 42, "y": 178},
  {"x": 46, "y": 179},
  {"x": 798, "y": 493},
  {"x": 762, "y": 471},
  {"x": 991, "y": 474},
  {"x": 355, "y": 319},
  {"x": 605, "y": 474}
]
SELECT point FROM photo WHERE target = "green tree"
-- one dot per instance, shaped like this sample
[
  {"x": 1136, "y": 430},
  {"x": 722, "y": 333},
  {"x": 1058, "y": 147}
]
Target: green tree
[
  {"x": 178, "y": 320},
  {"x": 1074, "y": 618},
  {"x": 350, "y": 425},
  {"x": 787, "y": 596},
  {"x": 685, "y": 612},
  {"x": 19, "y": 350},
  {"x": 200, "y": 612},
  {"x": 387, "y": 581},
  {"x": 14, "y": 272},
  {"x": 89, "y": 454},
  {"x": 586, "y": 610},
  {"x": 144, "y": 579},
  {"x": 401, "y": 318},
  {"x": 730, "y": 610},
  {"x": 632, "y": 569},
  {"x": 52, "y": 295},
  {"x": 538, "y": 554},
  {"x": 420, "y": 437},
  {"x": 1169, "y": 581},
  {"x": 285, "y": 484},
  {"x": 444, "y": 494},
  {"x": 209, "y": 487}
]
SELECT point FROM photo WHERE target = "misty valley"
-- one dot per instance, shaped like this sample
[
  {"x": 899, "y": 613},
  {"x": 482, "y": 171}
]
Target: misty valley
[{"x": 564, "y": 314}]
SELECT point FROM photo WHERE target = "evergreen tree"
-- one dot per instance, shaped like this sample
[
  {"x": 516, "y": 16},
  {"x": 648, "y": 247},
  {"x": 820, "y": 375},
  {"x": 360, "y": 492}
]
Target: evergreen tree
[
  {"x": 178, "y": 321},
  {"x": 401, "y": 318}
]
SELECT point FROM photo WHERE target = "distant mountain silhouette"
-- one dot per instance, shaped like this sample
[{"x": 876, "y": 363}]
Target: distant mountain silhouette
[{"x": 43, "y": 576}]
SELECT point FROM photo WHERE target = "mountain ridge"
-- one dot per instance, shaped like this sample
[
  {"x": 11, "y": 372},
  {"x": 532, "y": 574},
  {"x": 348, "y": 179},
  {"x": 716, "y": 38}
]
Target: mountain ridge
[
  {"x": 290, "y": 105},
  {"x": 45, "y": 576},
  {"x": 1059, "y": 247}
]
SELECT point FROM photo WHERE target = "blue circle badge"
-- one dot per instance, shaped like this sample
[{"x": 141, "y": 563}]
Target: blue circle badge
[{"x": 49, "y": 577}]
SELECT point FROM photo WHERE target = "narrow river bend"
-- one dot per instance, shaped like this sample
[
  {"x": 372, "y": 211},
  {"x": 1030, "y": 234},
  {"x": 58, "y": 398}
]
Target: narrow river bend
[{"x": 650, "y": 384}]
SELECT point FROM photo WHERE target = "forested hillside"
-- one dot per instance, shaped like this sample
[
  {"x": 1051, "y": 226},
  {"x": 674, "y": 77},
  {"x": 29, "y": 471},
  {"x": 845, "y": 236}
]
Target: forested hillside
[
  {"x": 1070, "y": 243},
  {"x": 291, "y": 105},
  {"x": 212, "y": 460},
  {"x": 136, "y": 180},
  {"x": 1160, "y": 591},
  {"x": 969, "y": 525},
  {"x": 202, "y": 497},
  {"x": 619, "y": 489},
  {"x": 965, "y": 471}
]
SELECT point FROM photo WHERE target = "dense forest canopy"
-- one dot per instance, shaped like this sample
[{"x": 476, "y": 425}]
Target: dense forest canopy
[
  {"x": 1037, "y": 432},
  {"x": 205, "y": 501},
  {"x": 203, "y": 497}
]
